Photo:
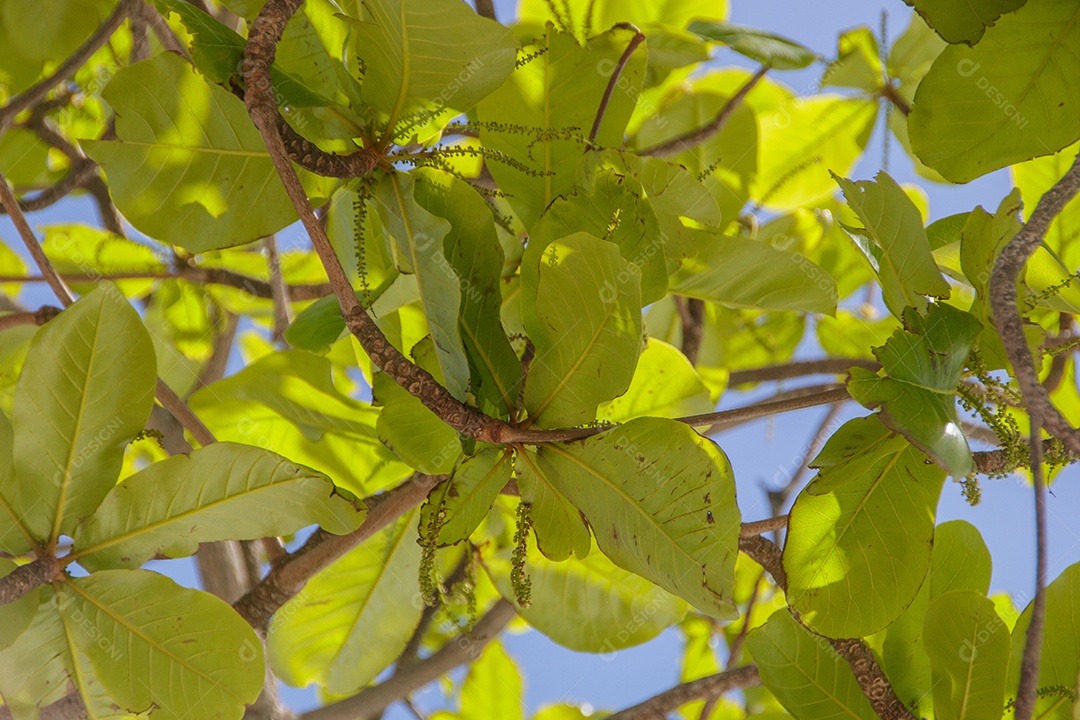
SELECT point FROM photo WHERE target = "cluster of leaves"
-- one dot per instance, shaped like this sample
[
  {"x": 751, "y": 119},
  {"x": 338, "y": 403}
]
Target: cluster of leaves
[{"x": 573, "y": 229}]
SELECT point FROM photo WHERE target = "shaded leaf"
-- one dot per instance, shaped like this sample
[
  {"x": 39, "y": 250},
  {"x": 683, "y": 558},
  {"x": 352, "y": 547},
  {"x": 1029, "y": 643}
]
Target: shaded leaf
[
  {"x": 467, "y": 495},
  {"x": 763, "y": 46}
]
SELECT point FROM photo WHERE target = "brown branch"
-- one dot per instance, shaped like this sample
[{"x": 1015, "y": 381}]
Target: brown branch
[
  {"x": 486, "y": 8},
  {"x": 179, "y": 409},
  {"x": 616, "y": 73},
  {"x": 660, "y": 706},
  {"x": 278, "y": 291},
  {"x": 259, "y": 54},
  {"x": 75, "y": 177},
  {"x": 110, "y": 216},
  {"x": 11, "y": 204},
  {"x": 66, "y": 69},
  {"x": 39, "y": 317},
  {"x": 25, "y": 578},
  {"x": 1007, "y": 317},
  {"x": 289, "y": 576},
  {"x": 801, "y": 368},
  {"x": 735, "y": 648},
  {"x": 372, "y": 701},
  {"x": 871, "y": 678},
  {"x": 692, "y": 315},
  {"x": 789, "y": 401},
  {"x": 778, "y": 498},
  {"x": 210, "y": 276},
  {"x": 890, "y": 93},
  {"x": 760, "y": 527},
  {"x": 1029, "y": 664},
  {"x": 694, "y": 137}
]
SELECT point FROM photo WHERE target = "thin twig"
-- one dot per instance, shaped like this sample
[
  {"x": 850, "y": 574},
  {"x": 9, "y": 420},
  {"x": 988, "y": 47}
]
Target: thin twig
[
  {"x": 890, "y": 93},
  {"x": 616, "y": 73},
  {"x": 694, "y": 137},
  {"x": 209, "y": 276},
  {"x": 736, "y": 644},
  {"x": 11, "y": 204},
  {"x": 778, "y": 498},
  {"x": 799, "y": 368},
  {"x": 660, "y": 706},
  {"x": 1007, "y": 317},
  {"x": 68, "y": 67},
  {"x": 373, "y": 700},
  {"x": 1029, "y": 664},
  {"x": 39, "y": 317},
  {"x": 289, "y": 576},
  {"x": 760, "y": 527},
  {"x": 278, "y": 291}
]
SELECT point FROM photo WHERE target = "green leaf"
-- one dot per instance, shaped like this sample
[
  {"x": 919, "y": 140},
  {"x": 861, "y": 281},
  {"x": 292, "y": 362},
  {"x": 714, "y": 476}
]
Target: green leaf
[
  {"x": 36, "y": 668},
  {"x": 223, "y": 491},
  {"x": 661, "y": 501},
  {"x": 493, "y": 687},
  {"x": 413, "y": 432},
  {"x": 1037, "y": 176},
  {"x": 802, "y": 140},
  {"x": 80, "y": 249},
  {"x": 894, "y": 242},
  {"x": 804, "y": 673},
  {"x": 429, "y": 55},
  {"x": 16, "y": 617},
  {"x": 665, "y": 384},
  {"x": 417, "y": 237},
  {"x": 353, "y": 618},
  {"x": 472, "y": 249},
  {"x": 320, "y": 428},
  {"x": 188, "y": 166},
  {"x": 49, "y": 29},
  {"x": 959, "y": 21},
  {"x": 605, "y": 13},
  {"x": 767, "y": 48},
  {"x": 467, "y": 495},
  {"x": 961, "y": 559},
  {"x": 1004, "y": 100},
  {"x": 15, "y": 538},
  {"x": 1060, "y": 654},
  {"x": 612, "y": 207},
  {"x": 922, "y": 365},
  {"x": 740, "y": 272},
  {"x": 558, "y": 525},
  {"x": 542, "y": 114},
  {"x": 86, "y": 390},
  {"x": 154, "y": 644},
  {"x": 588, "y": 605},
  {"x": 968, "y": 645},
  {"x": 218, "y": 52},
  {"x": 866, "y": 521},
  {"x": 858, "y": 62},
  {"x": 587, "y": 333}
]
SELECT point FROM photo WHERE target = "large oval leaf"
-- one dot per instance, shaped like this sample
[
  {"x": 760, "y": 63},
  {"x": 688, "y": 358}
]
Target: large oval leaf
[
  {"x": 188, "y": 166},
  {"x": 1005, "y": 100},
  {"x": 805, "y": 674},
  {"x": 86, "y": 390},
  {"x": 354, "y": 618},
  {"x": 587, "y": 331},
  {"x": 224, "y": 491},
  {"x": 865, "y": 522},
  {"x": 661, "y": 501},
  {"x": 153, "y": 644}
]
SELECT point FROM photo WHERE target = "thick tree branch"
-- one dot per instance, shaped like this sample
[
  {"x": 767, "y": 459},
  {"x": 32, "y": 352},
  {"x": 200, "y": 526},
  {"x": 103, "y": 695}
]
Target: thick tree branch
[
  {"x": 694, "y": 137},
  {"x": 1007, "y": 317},
  {"x": 26, "y": 577},
  {"x": 259, "y": 54},
  {"x": 371, "y": 702},
  {"x": 660, "y": 706},
  {"x": 67, "y": 69},
  {"x": 692, "y": 316},
  {"x": 760, "y": 527},
  {"x": 289, "y": 576},
  {"x": 39, "y": 317}
]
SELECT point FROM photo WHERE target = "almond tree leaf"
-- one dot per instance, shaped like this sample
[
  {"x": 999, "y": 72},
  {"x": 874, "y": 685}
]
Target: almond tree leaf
[
  {"x": 661, "y": 501},
  {"x": 894, "y": 242},
  {"x": 16, "y": 617},
  {"x": 15, "y": 538},
  {"x": 430, "y": 55},
  {"x": 86, "y": 390},
  {"x": 1060, "y": 652},
  {"x": 968, "y": 644},
  {"x": 665, "y": 384},
  {"x": 223, "y": 491},
  {"x": 589, "y": 604},
  {"x": 1006, "y": 100},
  {"x": 418, "y": 243},
  {"x": 805, "y": 673},
  {"x": 959, "y": 21},
  {"x": 553, "y": 99},
  {"x": 472, "y": 249},
  {"x": 559, "y": 527},
  {"x": 763, "y": 46},
  {"x": 188, "y": 166},
  {"x": 353, "y": 618},
  {"x": 466, "y": 496},
  {"x": 493, "y": 687},
  {"x": 36, "y": 668},
  {"x": 861, "y": 533},
  {"x": 961, "y": 560},
  {"x": 155, "y": 644},
  {"x": 743, "y": 273},
  {"x": 587, "y": 332}
]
